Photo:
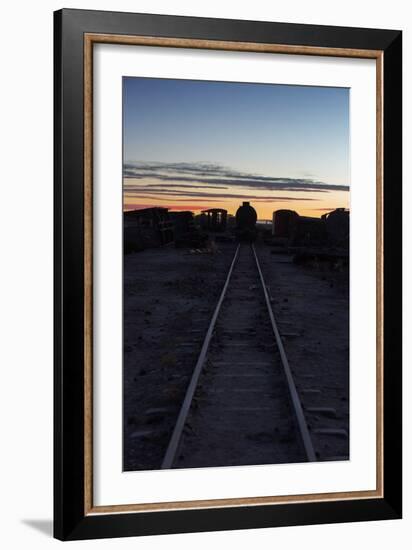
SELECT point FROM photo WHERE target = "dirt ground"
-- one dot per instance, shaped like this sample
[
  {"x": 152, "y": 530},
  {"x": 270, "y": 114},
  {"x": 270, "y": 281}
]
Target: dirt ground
[
  {"x": 169, "y": 297},
  {"x": 311, "y": 307}
]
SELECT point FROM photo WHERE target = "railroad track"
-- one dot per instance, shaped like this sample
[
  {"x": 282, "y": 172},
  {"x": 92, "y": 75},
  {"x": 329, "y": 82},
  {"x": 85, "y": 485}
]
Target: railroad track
[{"x": 241, "y": 405}]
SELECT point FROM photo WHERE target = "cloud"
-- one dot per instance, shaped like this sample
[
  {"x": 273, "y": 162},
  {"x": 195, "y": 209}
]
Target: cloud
[
  {"x": 170, "y": 206},
  {"x": 202, "y": 175},
  {"x": 157, "y": 195},
  {"x": 180, "y": 185},
  {"x": 199, "y": 168}
]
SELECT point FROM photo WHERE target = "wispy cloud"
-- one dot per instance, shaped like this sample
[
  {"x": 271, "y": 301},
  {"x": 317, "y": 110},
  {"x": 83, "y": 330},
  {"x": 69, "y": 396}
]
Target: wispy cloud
[
  {"x": 150, "y": 193},
  {"x": 184, "y": 185},
  {"x": 215, "y": 176},
  {"x": 193, "y": 206}
]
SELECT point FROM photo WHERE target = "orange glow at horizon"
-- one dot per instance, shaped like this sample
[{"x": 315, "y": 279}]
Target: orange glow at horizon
[{"x": 318, "y": 205}]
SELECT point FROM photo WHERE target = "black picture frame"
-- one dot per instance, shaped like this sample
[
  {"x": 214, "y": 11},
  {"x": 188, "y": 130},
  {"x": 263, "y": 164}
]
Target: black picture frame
[{"x": 70, "y": 520}]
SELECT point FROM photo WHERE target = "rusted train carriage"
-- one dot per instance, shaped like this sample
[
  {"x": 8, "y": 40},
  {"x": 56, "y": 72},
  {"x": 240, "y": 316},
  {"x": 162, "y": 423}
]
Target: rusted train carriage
[
  {"x": 213, "y": 219},
  {"x": 146, "y": 228},
  {"x": 332, "y": 229}
]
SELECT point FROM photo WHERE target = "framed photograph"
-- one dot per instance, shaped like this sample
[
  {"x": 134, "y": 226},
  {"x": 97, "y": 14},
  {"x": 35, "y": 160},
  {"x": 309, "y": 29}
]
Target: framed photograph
[{"x": 227, "y": 274}]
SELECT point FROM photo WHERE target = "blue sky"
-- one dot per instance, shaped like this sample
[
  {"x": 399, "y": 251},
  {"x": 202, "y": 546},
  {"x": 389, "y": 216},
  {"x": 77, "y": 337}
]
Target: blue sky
[{"x": 282, "y": 133}]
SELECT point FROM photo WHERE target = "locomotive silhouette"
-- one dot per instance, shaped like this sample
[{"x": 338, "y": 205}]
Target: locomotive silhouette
[{"x": 246, "y": 219}]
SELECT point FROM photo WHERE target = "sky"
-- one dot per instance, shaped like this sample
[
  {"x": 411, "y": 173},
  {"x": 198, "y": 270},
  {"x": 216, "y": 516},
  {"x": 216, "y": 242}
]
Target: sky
[{"x": 192, "y": 145}]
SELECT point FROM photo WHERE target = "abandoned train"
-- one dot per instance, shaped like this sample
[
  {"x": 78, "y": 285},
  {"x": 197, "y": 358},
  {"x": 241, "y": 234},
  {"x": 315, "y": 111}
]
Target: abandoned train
[
  {"x": 331, "y": 229},
  {"x": 246, "y": 219}
]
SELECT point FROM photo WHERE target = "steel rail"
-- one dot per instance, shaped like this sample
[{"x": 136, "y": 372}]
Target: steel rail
[
  {"x": 184, "y": 410},
  {"x": 297, "y": 406}
]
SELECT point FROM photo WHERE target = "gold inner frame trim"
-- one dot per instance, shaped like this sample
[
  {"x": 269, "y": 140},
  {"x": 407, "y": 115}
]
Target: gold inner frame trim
[{"x": 89, "y": 40}]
